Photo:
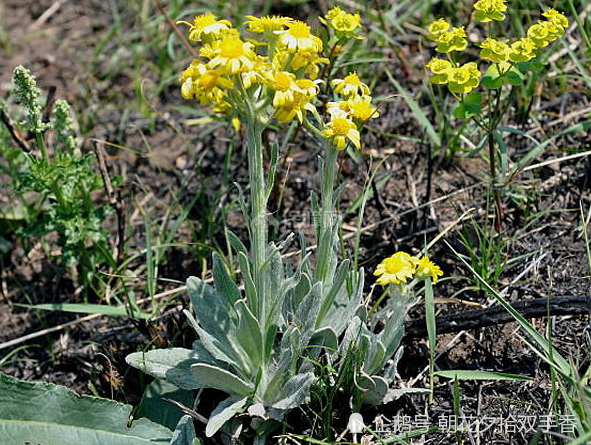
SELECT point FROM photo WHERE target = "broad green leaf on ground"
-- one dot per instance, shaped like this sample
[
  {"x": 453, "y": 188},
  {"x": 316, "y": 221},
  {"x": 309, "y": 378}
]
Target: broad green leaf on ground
[
  {"x": 155, "y": 407},
  {"x": 54, "y": 415}
]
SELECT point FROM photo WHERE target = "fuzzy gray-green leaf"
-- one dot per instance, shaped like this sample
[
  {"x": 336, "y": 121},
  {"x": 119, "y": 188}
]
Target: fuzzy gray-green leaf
[
  {"x": 214, "y": 377},
  {"x": 174, "y": 364},
  {"x": 222, "y": 413},
  {"x": 184, "y": 433}
]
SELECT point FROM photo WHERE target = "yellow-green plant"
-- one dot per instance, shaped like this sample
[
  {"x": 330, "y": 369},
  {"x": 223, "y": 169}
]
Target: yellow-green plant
[
  {"x": 508, "y": 62},
  {"x": 64, "y": 181}
]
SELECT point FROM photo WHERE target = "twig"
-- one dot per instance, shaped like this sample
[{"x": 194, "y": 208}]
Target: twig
[
  {"x": 495, "y": 315},
  {"x": 176, "y": 30},
  {"x": 116, "y": 202},
  {"x": 43, "y": 18},
  {"x": 49, "y": 102},
  {"x": 16, "y": 136}
]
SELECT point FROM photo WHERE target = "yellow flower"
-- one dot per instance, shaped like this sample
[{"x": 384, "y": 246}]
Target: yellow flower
[
  {"x": 258, "y": 73},
  {"x": 556, "y": 18},
  {"x": 283, "y": 82},
  {"x": 487, "y": 10},
  {"x": 206, "y": 85},
  {"x": 453, "y": 40},
  {"x": 437, "y": 27},
  {"x": 309, "y": 61},
  {"x": 308, "y": 87},
  {"x": 338, "y": 109},
  {"x": 522, "y": 50},
  {"x": 350, "y": 85},
  {"x": 426, "y": 269},
  {"x": 206, "y": 27},
  {"x": 539, "y": 33},
  {"x": 441, "y": 69},
  {"x": 267, "y": 24},
  {"x": 494, "y": 50},
  {"x": 360, "y": 108},
  {"x": 554, "y": 30},
  {"x": 339, "y": 129},
  {"x": 296, "y": 108},
  {"x": 395, "y": 269},
  {"x": 463, "y": 79},
  {"x": 297, "y": 36},
  {"x": 343, "y": 23},
  {"x": 233, "y": 56}
]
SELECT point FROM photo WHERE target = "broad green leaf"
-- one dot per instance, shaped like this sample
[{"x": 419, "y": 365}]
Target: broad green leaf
[
  {"x": 224, "y": 412},
  {"x": 471, "y": 106},
  {"x": 154, "y": 407},
  {"x": 480, "y": 375},
  {"x": 174, "y": 364},
  {"x": 514, "y": 77},
  {"x": 83, "y": 308},
  {"x": 54, "y": 415},
  {"x": 533, "y": 65},
  {"x": 214, "y": 377},
  {"x": 492, "y": 79}
]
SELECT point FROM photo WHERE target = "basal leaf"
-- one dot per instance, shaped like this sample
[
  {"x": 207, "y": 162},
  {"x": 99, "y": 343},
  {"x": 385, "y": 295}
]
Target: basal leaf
[{"x": 54, "y": 415}]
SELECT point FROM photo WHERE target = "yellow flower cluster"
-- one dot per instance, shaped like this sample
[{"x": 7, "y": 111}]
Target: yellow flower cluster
[
  {"x": 346, "y": 115},
  {"x": 343, "y": 23},
  {"x": 229, "y": 66},
  {"x": 448, "y": 40},
  {"x": 401, "y": 266},
  {"x": 280, "y": 70},
  {"x": 461, "y": 79},
  {"x": 488, "y": 10}
]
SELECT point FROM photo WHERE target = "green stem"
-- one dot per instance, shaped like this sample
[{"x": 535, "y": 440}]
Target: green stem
[
  {"x": 327, "y": 213},
  {"x": 258, "y": 216},
  {"x": 330, "y": 164},
  {"x": 41, "y": 144}
]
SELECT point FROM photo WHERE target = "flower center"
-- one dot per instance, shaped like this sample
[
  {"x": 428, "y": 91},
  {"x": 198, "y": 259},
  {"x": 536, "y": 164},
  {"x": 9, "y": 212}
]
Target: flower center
[
  {"x": 361, "y": 110},
  {"x": 204, "y": 20},
  {"x": 341, "y": 126},
  {"x": 299, "y": 30},
  {"x": 282, "y": 82},
  {"x": 208, "y": 80},
  {"x": 231, "y": 49},
  {"x": 352, "y": 79}
]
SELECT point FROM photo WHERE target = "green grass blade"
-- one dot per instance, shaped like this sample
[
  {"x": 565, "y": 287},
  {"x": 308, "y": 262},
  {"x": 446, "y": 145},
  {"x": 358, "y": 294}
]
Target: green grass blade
[
  {"x": 431, "y": 331},
  {"x": 86, "y": 308},
  {"x": 480, "y": 375},
  {"x": 416, "y": 110},
  {"x": 560, "y": 362}
]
